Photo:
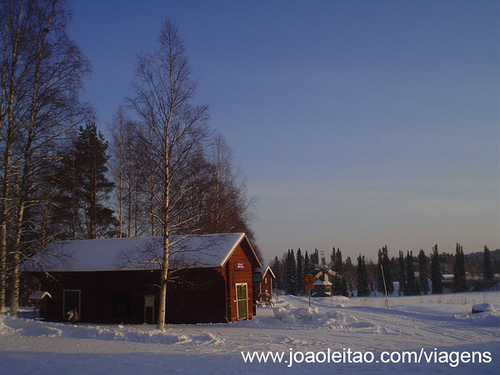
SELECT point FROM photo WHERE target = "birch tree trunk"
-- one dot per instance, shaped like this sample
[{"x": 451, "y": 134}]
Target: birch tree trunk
[
  {"x": 11, "y": 25},
  {"x": 163, "y": 95},
  {"x": 41, "y": 70}
]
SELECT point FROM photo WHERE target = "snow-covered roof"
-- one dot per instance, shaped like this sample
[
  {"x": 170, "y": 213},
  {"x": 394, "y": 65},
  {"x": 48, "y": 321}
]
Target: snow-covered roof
[
  {"x": 264, "y": 270},
  {"x": 204, "y": 251},
  {"x": 322, "y": 282},
  {"x": 39, "y": 295}
]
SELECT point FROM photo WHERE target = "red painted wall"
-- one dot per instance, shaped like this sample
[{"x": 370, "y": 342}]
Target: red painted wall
[{"x": 193, "y": 296}]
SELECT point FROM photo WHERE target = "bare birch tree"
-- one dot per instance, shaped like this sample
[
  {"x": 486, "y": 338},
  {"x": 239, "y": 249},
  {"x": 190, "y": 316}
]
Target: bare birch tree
[
  {"x": 129, "y": 168},
  {"x": 225, "y": 204},
  {"x": 229, "y": 207},
  {"x": 175, "y": 128},
  {"x": 117, "y": 146},
  {"x": 42, "y": 71}
]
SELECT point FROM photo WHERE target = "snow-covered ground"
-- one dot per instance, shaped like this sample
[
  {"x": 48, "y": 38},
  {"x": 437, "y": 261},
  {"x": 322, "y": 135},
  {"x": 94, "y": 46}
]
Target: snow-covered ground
[{"x": 436, "y": 328}]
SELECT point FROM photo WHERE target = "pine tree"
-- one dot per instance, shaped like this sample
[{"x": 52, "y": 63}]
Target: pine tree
[
  {"x": 423, "y": 278},
  {"x": 83, "y": 187},
  {"x": 436, "y": 275},
  {"x": 402, "y": 273},
  {"x": 488, "y": 270},
  {"x": 459, "y": 273},
  {"x": 363, "y": 288}
]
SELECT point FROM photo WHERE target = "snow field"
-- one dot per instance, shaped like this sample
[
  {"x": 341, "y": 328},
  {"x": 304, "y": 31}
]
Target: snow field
[{"x": 432, "y": 323}]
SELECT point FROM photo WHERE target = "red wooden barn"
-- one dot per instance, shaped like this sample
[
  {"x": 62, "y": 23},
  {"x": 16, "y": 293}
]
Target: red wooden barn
[{"x": 117, "y": 280}]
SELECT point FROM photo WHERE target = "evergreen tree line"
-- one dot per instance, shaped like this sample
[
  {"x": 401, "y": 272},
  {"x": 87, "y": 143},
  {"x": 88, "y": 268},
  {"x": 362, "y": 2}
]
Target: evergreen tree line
[
  {"x": 417, "y": 275},
  {"x": 163, "y": 172}
]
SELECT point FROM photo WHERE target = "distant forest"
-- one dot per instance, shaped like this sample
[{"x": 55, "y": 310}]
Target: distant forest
[{"x": 416, "y": 274}]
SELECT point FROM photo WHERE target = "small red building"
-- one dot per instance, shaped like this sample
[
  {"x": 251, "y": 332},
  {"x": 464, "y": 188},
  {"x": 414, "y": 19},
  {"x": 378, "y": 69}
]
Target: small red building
[
  {"x": 264, "y": 289},
  {"x": 117, "y": 280}
]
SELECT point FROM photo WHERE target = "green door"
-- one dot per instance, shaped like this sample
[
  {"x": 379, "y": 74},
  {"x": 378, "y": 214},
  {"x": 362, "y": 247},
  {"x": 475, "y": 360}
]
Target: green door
[{"x": 242, "y": 301}]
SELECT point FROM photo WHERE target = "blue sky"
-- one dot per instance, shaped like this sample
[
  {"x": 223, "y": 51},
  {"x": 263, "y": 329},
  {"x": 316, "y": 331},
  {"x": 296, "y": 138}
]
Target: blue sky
[{"x": 356, "y": 123}]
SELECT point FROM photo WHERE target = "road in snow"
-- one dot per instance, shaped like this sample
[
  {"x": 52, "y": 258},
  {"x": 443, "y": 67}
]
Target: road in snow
[{"x": 429, "y": 325}]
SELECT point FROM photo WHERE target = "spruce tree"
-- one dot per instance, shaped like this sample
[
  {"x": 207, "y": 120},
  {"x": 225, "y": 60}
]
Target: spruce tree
[
  {"x": 307, "y": 264},
  {"x": 314, "y": 258},
  {"x": 285, "y": 260},
  {"x": 488, "y": 270},
  {"x": 384, "y": 264},
  {"x": 412, "y": 288},
  {"x": 380, "y": 279},
  {"x": 388, "y": 274},
  {"x": 290, "y": 273},
  {"x": 459, "y": 273},
  {"x": 402, "y": 273},
  {"x": 436, "y": 275},
  {"x": 394, "y": 267},
  {"x": 349, "y": 274},
  {"x": 339, "y": 282},
  {"x": 423, "y": 278},
  {"x": 279, "y": 271},
  {"x": 300, "y": 272},
  {"x": 363, "y": 288}
]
